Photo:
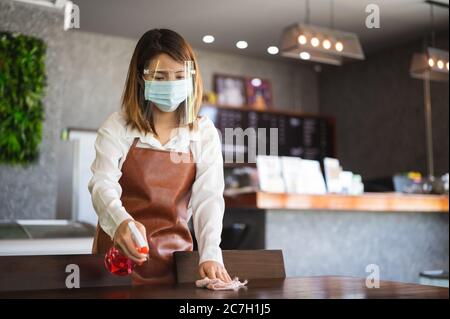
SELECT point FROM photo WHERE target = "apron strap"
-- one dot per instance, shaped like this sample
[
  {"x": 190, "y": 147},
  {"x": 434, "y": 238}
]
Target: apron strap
[
  {"x": 136, "y": 139},
  {"x": 191, "y": 149}
]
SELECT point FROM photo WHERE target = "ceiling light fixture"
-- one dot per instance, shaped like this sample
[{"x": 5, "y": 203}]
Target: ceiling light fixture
[
  {"x": 241, "y": 44},
  {"x": 302, "y": 39},
  {"x": 256, "y": 82},
  {"x": 315, "y": 42},
  {"x": 324, "y": 45},
  {"x": 429, "y": 66},
  {"x": 208, "y": 39},
  {"x": 273, "y": 50},
  {"x": 339, "y": 46},
  {"x": 305, "y": 56},
  {"x": 432, "y": 63}
]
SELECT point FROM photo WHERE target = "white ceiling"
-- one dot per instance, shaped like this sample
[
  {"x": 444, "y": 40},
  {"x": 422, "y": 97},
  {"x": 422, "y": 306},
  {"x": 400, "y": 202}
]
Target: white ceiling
[{"x": 259, "y": 22}]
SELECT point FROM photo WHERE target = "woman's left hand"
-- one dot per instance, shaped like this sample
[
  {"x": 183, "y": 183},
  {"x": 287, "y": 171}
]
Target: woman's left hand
[{"x": 213, "y": 270}]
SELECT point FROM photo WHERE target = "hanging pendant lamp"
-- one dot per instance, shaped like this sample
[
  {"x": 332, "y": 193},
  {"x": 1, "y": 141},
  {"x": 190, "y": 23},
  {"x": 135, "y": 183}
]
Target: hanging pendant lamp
[{"x": 320, "y": 44}]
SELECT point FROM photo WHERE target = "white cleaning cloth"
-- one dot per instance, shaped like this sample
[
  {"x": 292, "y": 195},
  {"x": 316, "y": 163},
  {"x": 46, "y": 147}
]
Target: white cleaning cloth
[{"x": 217, "y": 284}]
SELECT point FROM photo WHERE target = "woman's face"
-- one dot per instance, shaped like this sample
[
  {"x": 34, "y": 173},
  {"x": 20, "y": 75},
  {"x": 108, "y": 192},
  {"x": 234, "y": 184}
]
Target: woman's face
[{"x": 164, "y": 68}]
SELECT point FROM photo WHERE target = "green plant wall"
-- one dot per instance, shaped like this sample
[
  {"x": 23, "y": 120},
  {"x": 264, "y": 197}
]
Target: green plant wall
[{"x": 22, "y": 88}]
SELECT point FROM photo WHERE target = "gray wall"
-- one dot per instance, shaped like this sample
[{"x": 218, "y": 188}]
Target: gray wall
[
  {"x": 30, "y": 192},
  {"x": 344, "y": 243},
  {"x": 380, "y": 114}
]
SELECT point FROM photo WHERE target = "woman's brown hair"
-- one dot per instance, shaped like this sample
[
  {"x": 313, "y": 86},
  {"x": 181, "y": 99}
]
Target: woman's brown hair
[{"x": 154, "y": 42}]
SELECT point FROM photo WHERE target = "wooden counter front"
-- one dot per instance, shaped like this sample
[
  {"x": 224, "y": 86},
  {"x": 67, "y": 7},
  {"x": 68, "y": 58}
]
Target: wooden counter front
[{"x": 376, "y": 202}]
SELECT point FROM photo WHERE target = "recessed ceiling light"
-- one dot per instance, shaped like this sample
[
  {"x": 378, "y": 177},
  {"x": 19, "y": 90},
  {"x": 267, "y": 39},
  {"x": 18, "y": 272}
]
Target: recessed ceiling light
[
  {"x": 241, "y": 44},
  {"x": 208, "y": 39},
  {"x": 272, "y": 50},
  {"x": 305, "y": 56},
  {"x": 256, "y": 82}
]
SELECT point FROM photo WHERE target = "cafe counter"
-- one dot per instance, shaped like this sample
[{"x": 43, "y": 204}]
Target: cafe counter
[{"x": 401, "y": 234}]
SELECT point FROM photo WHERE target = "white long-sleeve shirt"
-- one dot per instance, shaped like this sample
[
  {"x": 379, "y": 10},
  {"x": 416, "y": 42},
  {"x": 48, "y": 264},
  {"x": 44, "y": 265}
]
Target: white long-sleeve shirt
[{"x": 206, "y": 205}]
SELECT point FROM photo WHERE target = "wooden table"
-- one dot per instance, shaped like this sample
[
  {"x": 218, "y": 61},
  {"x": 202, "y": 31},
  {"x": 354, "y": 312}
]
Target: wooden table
[{"x": 289, "y": 288}]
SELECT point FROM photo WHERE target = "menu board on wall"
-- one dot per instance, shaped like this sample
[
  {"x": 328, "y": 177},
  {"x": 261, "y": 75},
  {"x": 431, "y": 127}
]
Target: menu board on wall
[{"x": 306, "y": 136}]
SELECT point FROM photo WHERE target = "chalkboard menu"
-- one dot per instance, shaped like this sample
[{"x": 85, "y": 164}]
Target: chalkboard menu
[{"x": 305, "y": 136}]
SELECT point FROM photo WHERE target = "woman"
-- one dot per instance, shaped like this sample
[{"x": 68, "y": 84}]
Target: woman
[{"x": 137, "y": 177}]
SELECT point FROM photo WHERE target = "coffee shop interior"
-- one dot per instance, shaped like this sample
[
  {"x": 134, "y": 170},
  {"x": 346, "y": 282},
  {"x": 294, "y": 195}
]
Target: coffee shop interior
[{"x": 353, "y": 96}]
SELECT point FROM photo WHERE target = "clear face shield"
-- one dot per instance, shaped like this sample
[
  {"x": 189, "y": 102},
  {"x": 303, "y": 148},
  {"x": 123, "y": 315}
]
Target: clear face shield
[{"x": 172, "y": 89}]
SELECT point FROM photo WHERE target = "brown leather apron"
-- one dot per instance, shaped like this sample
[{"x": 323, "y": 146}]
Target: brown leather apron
[{"x": 156, "y": 192}]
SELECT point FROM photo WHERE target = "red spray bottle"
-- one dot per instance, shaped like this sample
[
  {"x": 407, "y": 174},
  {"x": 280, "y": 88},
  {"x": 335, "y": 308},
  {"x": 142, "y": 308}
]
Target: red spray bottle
[{"x": 119, "y": 264}]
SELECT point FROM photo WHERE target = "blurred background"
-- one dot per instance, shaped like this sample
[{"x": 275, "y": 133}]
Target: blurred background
[{"x": 357, "y": 89}]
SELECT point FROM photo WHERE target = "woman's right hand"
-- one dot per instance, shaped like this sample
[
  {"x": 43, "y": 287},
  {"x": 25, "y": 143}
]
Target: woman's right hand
[{"x": 124, "y": 239}]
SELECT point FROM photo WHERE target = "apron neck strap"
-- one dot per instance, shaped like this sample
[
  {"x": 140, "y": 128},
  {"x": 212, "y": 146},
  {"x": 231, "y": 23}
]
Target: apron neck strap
[{"x": 136, "y": 139}]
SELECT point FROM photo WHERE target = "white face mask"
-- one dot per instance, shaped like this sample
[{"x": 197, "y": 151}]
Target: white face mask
[{"x": 168, "y": 95}]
